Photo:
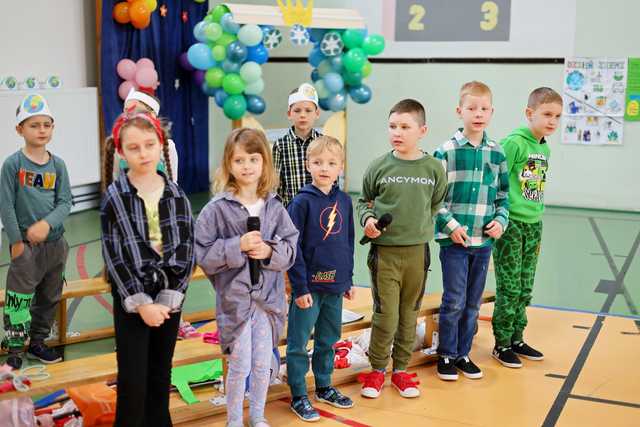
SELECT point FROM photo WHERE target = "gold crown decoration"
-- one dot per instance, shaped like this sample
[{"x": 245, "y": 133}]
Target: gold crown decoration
[{"x": 296, "y": 14}]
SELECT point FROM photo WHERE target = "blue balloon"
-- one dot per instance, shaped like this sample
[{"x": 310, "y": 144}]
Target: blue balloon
[
  {"x": 333, "y": 82},
  {"x": 230, "y": 67},
  {"x": 220, "y": 96},
  {"x": 228, "y": 24},
  {"x": 360, "y": 94},
  {"x": 337, "y": 101},
  {"x": 324, "y": 104},
  {"x": 198, "y": 31},
  {"x": 258, "y": 53},
  {"x": 316, "y": 34},
  {"x": 237, "y": 52},
  {"x": 209, "y": 91},
  {"x": 336, "y": 63},
  {"x": 200, "y": 56},
  {"x": 316, "y": 57},
  {"x": 315, "y": 76},
  {"x": 255, "y": 104},
  {"x": 324, "y": 68}
]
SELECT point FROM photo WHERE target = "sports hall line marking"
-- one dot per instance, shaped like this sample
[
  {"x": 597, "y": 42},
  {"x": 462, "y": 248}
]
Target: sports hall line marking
[
  {"x": 606, "y": 401},
  {"x": 565, "y": 391}
]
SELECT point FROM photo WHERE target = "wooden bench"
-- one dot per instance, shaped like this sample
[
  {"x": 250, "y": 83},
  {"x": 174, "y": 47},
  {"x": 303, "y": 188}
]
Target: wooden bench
[
  {"x": 104, "y": 367},
  {"x": 97, "y": 286}
]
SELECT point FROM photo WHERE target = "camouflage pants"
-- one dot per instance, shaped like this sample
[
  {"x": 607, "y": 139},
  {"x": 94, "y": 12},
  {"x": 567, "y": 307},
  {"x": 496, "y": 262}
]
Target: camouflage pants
[{"x": 515, "y": 256}]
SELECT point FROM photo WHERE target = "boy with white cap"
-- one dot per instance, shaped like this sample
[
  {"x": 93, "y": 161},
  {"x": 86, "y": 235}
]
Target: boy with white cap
[
  {"x": 36, "y": 199},
  {"x": 289, "y": 152}
]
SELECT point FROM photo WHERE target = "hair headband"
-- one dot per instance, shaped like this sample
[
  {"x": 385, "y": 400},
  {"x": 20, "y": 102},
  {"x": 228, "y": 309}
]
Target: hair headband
[{"x": 125, "y": 118}]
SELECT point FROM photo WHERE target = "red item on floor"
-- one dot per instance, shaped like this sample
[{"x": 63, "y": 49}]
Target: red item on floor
[
  {"x": 96, "y": 403},
  {"x": 211, "y": 337}
]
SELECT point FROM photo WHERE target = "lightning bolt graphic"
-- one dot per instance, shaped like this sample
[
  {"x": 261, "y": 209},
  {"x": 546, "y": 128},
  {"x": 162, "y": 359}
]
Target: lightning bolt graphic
[{"x": 332, "y": 220}]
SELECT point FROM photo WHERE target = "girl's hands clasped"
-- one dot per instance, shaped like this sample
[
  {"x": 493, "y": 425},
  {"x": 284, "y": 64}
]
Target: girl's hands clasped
[
  {"x": 254, "y": 246},
  {"x": 153, "y": 315}
]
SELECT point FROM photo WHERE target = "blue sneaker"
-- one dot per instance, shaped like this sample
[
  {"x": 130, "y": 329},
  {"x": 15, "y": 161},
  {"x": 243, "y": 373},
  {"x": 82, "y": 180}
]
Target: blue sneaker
[
  {"x": 39, "y": 351},
  {"x": 333, "y": 397},
  {"x": 304, "y": 410}
]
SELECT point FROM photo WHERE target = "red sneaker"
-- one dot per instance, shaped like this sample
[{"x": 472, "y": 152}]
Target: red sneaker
[
  {"x": 371, "y": 384},
  {"x": 404, "y": 383}
]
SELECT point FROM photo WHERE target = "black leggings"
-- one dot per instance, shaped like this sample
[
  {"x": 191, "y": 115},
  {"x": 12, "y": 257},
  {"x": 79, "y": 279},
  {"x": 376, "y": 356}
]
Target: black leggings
[{"x": 144, "y": 368}]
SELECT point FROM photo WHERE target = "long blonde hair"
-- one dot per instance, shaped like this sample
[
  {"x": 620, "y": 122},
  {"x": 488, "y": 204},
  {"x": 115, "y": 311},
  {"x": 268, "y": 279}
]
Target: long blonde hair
[{"x": 252, "y": 141}]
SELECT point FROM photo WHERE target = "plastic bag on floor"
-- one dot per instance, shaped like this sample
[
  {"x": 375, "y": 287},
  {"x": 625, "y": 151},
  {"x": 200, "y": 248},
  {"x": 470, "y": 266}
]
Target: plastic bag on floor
[{"x": 17, "y": 412}]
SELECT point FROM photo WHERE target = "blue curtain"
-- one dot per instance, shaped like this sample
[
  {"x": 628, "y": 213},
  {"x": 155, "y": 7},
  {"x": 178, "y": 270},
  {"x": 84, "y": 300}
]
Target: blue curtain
[{"x": 182, "y": 102}]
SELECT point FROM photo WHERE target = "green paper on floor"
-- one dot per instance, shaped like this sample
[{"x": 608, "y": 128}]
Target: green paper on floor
[{"x": 181, "y": 376}]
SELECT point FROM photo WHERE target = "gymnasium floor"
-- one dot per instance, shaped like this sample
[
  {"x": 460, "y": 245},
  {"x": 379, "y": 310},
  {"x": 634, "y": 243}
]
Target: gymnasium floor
[{"x": 584, "y": 317}]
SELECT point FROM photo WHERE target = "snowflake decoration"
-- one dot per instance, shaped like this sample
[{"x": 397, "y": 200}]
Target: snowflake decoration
[
  {"x": 272, "y": 38},
  {"x": 299, "y": 35},
  {"x": 331, "y": 44}
]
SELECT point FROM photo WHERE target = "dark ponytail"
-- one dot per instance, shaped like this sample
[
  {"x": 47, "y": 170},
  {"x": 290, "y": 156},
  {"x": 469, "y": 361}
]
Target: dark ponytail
[{"x": 107, "y": 162}]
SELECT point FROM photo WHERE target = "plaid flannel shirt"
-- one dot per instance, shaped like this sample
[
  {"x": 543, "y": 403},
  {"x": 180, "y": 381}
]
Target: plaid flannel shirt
[
  {"x": 477, "y": 188},
  {"x": 289, "y": 154},
  {"x": 141, "y": 275}
]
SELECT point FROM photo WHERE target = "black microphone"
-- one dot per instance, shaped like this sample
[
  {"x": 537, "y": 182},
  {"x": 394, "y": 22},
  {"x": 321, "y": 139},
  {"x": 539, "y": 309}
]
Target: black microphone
[
  {"x": 253, "y": 224},
  {"x": 382, "y": 223}
]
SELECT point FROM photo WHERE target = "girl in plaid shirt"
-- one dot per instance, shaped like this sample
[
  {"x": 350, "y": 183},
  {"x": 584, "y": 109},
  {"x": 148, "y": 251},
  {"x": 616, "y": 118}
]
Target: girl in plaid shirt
[{"x": 147, "y": 245}]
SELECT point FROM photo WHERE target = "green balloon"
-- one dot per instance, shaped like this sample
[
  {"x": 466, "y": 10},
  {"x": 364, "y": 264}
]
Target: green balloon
[
  {"x": 208, "y": 18},
  {"x": 250, "y": 72},
  {"x": 322, "y": 90},
  {"x": 232, "y": 84},
  {"x": 366, "y": 69},
  {"x": 219, "y": 53},
  {"x": 324, "y": 67},
  {"x": 373, "y": 44},
  {"x": 226, "y": 39},
  {"x": 214, "y": 77},
  {"x": 217, "y": 12},
  {"x": 234, "y": 107},
  {"x": 352, "y": 38},
  {"x": 212, "y": 31},
  {"x": 352, "y": 79},
  {"x": 354, "y": 59}
]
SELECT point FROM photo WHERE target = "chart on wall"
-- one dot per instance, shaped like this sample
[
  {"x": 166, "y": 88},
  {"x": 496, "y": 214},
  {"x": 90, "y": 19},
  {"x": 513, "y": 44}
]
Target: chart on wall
[{"x": 594, "y": 101}]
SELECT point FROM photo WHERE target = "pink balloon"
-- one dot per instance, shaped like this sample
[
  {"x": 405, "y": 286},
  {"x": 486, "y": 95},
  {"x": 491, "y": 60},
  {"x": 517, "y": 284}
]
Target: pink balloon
[
  {"x": 126, "y": 69},
  {"x": 145, "y": 63},
  {"x": 146, "y": 77},
  {"x": 124, "y": 89}
]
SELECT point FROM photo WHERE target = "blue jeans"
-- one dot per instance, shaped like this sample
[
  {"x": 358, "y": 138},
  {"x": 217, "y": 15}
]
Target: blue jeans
[
  {"x": 324, "y": 318},
  {"x": 464, "y": 272}
]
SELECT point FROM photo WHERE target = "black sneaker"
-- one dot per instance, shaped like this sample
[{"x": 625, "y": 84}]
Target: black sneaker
[
  {"x": 506, "y": 356},
  {"x": 14, "y": 360},
  {"x": 468, "y": 368},
  {"x": 303, "y": 409},
  {"x": 39, "y": 351},
  {"x": 522, "y": 349},
  {"x": 446, "y": 369},
  {"x": 333, "y": 397}
]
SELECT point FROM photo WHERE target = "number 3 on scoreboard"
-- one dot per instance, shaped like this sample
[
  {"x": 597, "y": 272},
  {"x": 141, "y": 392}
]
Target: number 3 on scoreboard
[
  {"x": 418, "y": 12},
  {"x": 490, "y": 10}
]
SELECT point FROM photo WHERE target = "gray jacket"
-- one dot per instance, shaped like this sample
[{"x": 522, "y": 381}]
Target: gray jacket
[{"x": 219, "y": 227}]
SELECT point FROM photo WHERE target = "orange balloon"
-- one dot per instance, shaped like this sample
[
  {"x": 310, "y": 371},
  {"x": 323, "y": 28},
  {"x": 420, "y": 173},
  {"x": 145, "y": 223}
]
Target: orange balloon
[
  {"x": 121, "y": 12},
  {"x": 152, "y": 4},
  {"x": 140, "y": 14}
]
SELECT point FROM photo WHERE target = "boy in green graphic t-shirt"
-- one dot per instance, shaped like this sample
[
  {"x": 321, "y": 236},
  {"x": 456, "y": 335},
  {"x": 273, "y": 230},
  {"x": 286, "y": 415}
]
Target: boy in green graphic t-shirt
[
  {"x": 515, "y": 255},
  {"x": 410, "y": 185}
]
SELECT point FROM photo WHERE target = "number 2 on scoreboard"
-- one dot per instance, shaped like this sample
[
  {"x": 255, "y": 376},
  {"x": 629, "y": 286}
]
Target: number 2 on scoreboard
[{"x": 417, "y": 11}]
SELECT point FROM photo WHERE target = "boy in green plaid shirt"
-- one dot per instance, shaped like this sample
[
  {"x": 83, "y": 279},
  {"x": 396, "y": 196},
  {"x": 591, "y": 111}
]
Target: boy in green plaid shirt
[{"x": 473, "y": 215}]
